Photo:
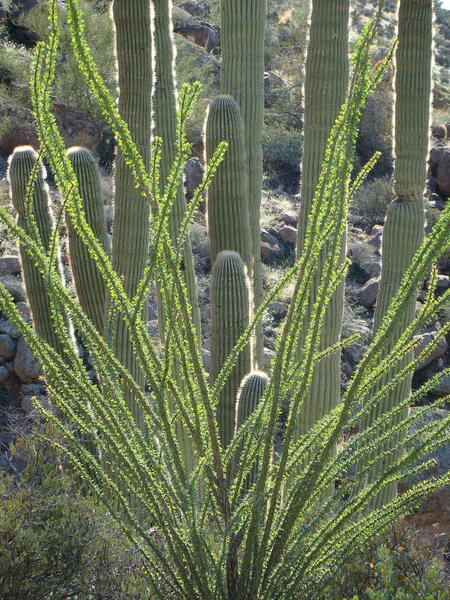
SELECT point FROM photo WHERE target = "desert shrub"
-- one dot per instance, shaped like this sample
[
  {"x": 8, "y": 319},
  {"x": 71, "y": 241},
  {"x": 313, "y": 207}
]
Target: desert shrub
[
  {"x": 55, "y": 543},
  {"x": 371, "y": 201},
  {"x": 433, "y": 216},
  {"x": 200, "y": 248},
  {"x": 393, "y": 567},
  {"x": 282, "y": 150},
  {"x": 15, "y": 64}
]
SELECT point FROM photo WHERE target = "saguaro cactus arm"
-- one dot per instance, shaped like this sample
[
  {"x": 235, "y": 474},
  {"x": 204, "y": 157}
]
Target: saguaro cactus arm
[
  {"x": 228, "y": 209},
  {"x": 327, "y": 75},
  {"x": 21, "y": 165},
  {"x": 242, "y": 40},
  {"x": 90, "y": 285},
  {"x": 404, "y": 229},
  {"x": 230, "y": 310}
]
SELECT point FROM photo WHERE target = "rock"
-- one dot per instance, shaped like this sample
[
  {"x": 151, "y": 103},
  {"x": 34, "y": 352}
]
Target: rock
[
  {"x": 196, "y": 8},
  {"x": 271, "y": 249},
  {"x": 377, "y": 229},
  {"x": 30, "y": 389},
  {"x": 76, "y": 129},
  {"x": 443, "y": 174},
  {"x": 267, "y": 360},
  {"x": 376, "y": 240},
  {"x": 277, "y": 309},
  {"x": 193, "y": 175},
  {"x": 442, "y": 388},
  {"x": 424, "y": 339},
  {"x": 436, "y": 154},
  {"x": 289, "y": 219},
  {"x": 443, "y": 282},
  {"x": 201, "y": 33},
  {"x": 9, "y": 265},
  {"x": 439, "y": 131},
  {"x": 366, "y": 262},
  {"x": 433, "y": 518},
  {"x": 4, "y": 374},
  {"x": 8, "y": 327},
  {"x": 288, "y": 234},
  {"x": 368, "y": 294},
  {"x": 24, "y": 310},
  {"x": 15, "y": 287},
  {"x": 7, "y": 346},
  {"x": 26, "y": 366}
]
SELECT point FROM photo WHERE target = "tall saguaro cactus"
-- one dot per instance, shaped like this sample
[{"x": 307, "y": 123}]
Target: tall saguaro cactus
[
  {"x": 89, "y": 283},
  {"x": 131, "y": 217},
  {"x": 327, "y": 75},
  {"x": 165, "y": 116},
  {"x": 22, "y": 164},
  {"x": 230, "y": 315},
  {"x": 242, "y": 40},
  {"x": 404, "y": 229},
  {"x": 228, "y": 210}
]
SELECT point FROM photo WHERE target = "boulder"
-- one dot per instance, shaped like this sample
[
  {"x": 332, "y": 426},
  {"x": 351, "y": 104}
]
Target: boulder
[
  {"x": 442, "y": 388},
  {"x": 271, "y": 248},
  {"x": 9, "y": 265},
  {"x": 443, "y": 174},
  {"x": 436, "y": 154},
  {"x": 14, "y": 286},
  {"x": 424, "y": 339},
  {"x": 4, "y": 374},
  {"x": 289, "y": 219},
  {"x": 288, "y": 234},
  {"x": 7, "y": 346},
  {"x": 201, "y": 33},
  {"x": 368, "y": 294},
  {"x": 8, "y": 327},
  {"x": 26, "y": 365},
  {"x": 196, "y": 8}
]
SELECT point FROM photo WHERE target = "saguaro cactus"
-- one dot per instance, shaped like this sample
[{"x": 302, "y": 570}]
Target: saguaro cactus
[
  {"x": 230, "y": 314},
  {"x": 242, "y": 40},
  {"x": 327, "y": 74},
  {"x": 21, "y": 167},
  {"x": 404, "y": 228},
  {"x": 228, "y": 209},
  {"x": 165, "y": 111},
  {"x": 250, "y": 393},
  {"x": 131, "y": 217},
  {"x": 89, "y": 283}
]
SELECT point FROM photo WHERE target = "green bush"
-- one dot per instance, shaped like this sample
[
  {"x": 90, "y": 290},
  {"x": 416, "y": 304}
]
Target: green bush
[
  {"x": 371, "y": 201},
  {"x": 282, "y": 151},
  {"x": 55, "y": 543}
]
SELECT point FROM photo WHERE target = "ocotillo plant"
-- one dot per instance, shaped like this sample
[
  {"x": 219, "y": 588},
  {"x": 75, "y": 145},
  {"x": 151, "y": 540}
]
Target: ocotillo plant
[
  {"x": 265, "y": 543},
  {"x": 326, "y": 82},
  {"x": 89, "y": 283},
  {"x": 242, "y": 77},
  {"x": 227, "y": 202},
  {"x": 404, "y": 228},
  {"x": 230, "y": 317},
  {"x": 30, "y": 198}
]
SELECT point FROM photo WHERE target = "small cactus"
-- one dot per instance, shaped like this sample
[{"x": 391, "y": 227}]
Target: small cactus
[
  {"x": 250, "y": 393},
  {"x": 90, "y": 285},
  {"x": 230, "y": 316}
]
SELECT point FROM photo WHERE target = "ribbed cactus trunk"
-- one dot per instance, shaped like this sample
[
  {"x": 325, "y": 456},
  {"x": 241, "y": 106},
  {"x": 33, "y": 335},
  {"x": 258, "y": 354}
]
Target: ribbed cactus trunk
[
  {"x": 89, "y": 283},
  {"x": 242, "y": 41},
  {"x": 326, "y": 82},
  {"x": 165, "y": 123},
  {"x": 404, "y": 228},
  {"x": 165, "y": 111},
  {"x": 131, "y": 216},
  {"x": 230, "y": 313},
  {"x": 21, "y": 165},
  {"x": 227, "y": 204}
]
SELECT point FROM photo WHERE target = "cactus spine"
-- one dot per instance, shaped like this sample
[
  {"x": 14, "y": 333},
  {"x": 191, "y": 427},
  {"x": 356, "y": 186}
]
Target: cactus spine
[
  {"x": 131, "y": 217},
  {"x": 165, "y": 111},
  {"x": 250, "y": 393},
  {"x": 242, "y": 40},
  {"x": 89, "y": 283},
  {"x": 327, "y": 74},
  {"x": 228, "y": 210},
  {"x": 404, "y": 228},
  {"x": 21, "y": 165},
  {"x": 230, "y": 315}
]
